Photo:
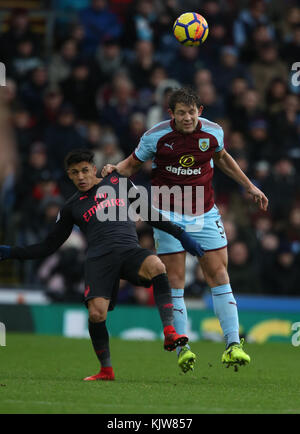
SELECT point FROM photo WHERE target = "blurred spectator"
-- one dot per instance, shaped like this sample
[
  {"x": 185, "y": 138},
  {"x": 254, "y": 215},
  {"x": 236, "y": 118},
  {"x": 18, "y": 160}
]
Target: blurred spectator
[
  {"x": 31, "y": 92},
  {"x": 284, "y": 127},
  {"x": 24, "y": 129},
  {"x": 52, "y": 101},
  {"x": 107, "y": 60},
  {"x": 236, "y": 142},
  {"x": 77, "y": 34},
  {"x": 260, "y": 172},
  {"x": 289, "y": 20},
  {"x": 198, "y": 287},
  {"x": 219, "y": 32},
  {"x": 249, "y": 110},
  {"x": 231, "y": 230},
  {"x": 108, "y": 151},
  {"x": 275, "y": 95},
  {"x": 230, "y": 67},
  {"x": 121, "y": 105},
  {"x": 202, "y": 77},
  {"x": 62, "y": 136},
  {"x": 291, "y": 49},
  {"x": 139, "y": 24},
  {"x": 233, "y": 96},
  {"x": 93, "y": 135},
  {"x": 137, "y": 127},
  {"x": 259, "y": 145},
  {"x": 159, "y": 111},
  {"x": 24, "y": 61},
  {"x": 281, "y": 187},
  {"x": 44, "y": 186},
  {"x": 36, "y": 166},
  {"x": 79, "y": 90},
  {"x": 213, "y": 106},
  {"x": 292, "y": 229},
  {"x": 282, "y": 276},
  {"x": 63, "y": 272},
  {"x": 188, "y": 62},
  {"x": 19, "y": 30},
  {"x": 267, "y": 67},
  {"x": 248, "y": 20},
  {"x": 99, "y": 23},
  {"x": 143, "y": 65},
  {"x": 243, "y": 275},
  {"x": 260, "y": 35},
  {"x": 147, "y": 94},
  {"x": 61, "y": 62}
]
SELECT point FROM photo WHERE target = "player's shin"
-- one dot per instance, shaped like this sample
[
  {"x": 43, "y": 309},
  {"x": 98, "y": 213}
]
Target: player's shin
[
  {"x": 163, "y": 300},
  {"x": 225, "y": 308},
  {"x": 180, "y": 313},
  {"x": 100, "y": 340}
]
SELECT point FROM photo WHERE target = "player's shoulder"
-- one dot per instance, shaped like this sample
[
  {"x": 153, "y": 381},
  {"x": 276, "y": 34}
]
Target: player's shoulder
[
  {"x": 72, "y": 199},
  {"x": 159, "y": 130},
  {"x": 207, "y": 125}
]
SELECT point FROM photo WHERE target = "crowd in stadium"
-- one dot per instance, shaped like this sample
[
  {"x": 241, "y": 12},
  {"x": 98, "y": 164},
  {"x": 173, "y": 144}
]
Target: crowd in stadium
[{"x": 105, "y": 80}]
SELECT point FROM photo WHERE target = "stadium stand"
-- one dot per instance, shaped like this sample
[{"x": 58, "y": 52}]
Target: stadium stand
[{"x": 71, "y": 84}]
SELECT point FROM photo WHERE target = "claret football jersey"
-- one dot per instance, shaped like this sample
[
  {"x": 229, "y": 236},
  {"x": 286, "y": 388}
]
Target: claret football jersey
[{"x": 183, "y": 160}]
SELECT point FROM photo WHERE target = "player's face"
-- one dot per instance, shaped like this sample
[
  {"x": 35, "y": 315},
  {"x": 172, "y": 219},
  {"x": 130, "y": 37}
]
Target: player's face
[
  {"x": 83, "y": 175},
  {"x": 186, "y": 117}
]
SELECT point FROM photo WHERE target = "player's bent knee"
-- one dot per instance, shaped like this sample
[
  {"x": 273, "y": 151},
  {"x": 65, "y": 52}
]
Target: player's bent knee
[
  {"x": 156, "y": 267},
  {"x": 97, "y": 316}
]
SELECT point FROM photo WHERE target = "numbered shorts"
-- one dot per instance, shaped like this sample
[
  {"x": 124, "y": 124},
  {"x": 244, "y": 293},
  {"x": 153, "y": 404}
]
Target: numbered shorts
[
  {"x": 207, "y": 229},
  {"x": 103, "y": 273}
]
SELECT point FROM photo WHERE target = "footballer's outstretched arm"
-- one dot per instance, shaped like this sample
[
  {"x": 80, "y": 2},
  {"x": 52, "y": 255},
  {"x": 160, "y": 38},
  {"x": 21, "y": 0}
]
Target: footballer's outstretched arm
[
  {"x": 54, "y": 240},
  {"x": 126, "y": 167},
  {"x": 230, "y": 167}
]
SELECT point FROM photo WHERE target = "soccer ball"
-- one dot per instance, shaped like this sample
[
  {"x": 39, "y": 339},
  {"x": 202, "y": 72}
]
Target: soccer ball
[{"x": 190, "y": 29}]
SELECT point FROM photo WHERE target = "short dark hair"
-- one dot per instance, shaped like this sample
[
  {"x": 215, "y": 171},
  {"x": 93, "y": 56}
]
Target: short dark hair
[
  {"x": 77, "y": 156},
  {"x": 185, "y": 95}
]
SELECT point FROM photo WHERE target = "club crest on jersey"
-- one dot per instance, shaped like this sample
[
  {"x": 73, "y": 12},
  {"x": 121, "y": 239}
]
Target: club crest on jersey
[{"x": 203, "y": 144}]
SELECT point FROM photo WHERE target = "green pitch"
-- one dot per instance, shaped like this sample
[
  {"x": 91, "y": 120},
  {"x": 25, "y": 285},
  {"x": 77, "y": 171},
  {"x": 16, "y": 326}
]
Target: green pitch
[{"x": 43, "y": 374}]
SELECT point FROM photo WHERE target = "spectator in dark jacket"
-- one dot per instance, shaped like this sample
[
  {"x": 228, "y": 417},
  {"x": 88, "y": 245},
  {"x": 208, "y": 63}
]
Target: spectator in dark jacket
[{"x": 99, "y": 23}]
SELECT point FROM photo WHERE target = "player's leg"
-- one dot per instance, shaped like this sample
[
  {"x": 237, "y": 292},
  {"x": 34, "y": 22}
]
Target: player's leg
[
  {"x": 153, "y": 269},
  {"x": 102, "y": 280},
  {"x": 98, "y": 308},
  {"x": 214, "y": 266},
  {"x": 170, "y": 252}
]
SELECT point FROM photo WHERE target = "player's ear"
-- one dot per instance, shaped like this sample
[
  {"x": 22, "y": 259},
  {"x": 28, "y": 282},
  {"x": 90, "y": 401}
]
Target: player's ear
[
  {"x": 171, "y": 113},
  {"x": 200, "y": 110}
]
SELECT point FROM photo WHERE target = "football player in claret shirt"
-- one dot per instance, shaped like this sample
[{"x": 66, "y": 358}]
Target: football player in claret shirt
[
  {"x": 184, "y": 151},
  {"x": 113, "y": 251}
]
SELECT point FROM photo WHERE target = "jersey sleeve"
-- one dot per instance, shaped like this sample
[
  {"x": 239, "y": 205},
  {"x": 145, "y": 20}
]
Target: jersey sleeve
[
  {"x": 61, "y": 232},
  {"x": 146, "y": 147},
  {"x": 219, "y": 134}
]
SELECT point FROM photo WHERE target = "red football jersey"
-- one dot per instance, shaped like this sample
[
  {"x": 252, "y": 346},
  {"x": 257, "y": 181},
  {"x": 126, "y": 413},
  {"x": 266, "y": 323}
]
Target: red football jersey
[{"x": 183, "y": 161}]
